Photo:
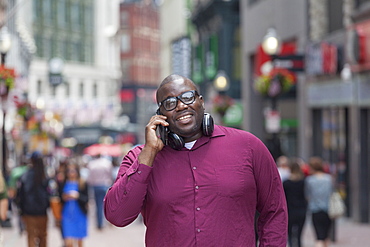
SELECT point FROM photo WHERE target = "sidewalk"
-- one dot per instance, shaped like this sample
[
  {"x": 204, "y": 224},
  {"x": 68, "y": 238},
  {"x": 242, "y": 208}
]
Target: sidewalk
[
  {"x": 348, "y": 234},
  {"x": 110, "y": 236}
]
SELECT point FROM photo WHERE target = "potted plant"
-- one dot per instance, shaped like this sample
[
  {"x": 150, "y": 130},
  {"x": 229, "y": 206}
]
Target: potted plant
[
  {"x": 7, "y": 77},
  {"x": 275, "y": 83}
]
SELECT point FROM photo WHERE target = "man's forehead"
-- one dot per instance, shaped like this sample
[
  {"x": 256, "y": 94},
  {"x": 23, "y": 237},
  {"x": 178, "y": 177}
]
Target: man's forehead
[{"x": 176, "y": 81}]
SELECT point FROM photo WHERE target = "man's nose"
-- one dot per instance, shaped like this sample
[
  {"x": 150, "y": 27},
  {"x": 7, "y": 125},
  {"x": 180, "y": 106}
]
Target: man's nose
[{"x": 181, "y": 105}]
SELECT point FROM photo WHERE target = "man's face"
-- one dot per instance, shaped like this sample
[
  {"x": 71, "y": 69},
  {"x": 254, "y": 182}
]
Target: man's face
[{"x": 184, "y": 120}]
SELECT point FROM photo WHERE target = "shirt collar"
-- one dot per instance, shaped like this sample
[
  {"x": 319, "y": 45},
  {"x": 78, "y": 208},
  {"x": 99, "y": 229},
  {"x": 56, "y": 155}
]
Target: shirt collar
[{"x": 217, "y": 132}]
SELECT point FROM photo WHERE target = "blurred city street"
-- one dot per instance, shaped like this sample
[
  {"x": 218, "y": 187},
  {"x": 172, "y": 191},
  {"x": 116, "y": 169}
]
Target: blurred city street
[
  {"x": 83, "y": 82},
  {"x": 111, "y": 236},
  {"x": 348, "y": 234}
]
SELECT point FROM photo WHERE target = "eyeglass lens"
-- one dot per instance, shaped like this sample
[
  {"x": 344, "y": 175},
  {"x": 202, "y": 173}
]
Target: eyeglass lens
[{"x": 186, "y": 98}]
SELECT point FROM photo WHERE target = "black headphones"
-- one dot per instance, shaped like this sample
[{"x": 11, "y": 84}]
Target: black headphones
[{"x": 177, "y": 142}]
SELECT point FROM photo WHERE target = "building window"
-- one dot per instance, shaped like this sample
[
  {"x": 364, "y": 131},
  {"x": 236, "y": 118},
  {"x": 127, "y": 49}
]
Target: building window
[
  {"x": 89, "y": 20},
  {"x": 95, "y": 90},
  {"x": 125, "y": 43},
  {"x": 124, "y": 19},
  {"x": 62, "y": 13},
  {"x": 64, "y": 28},
  {"x": 67, "y": 89},
  {"x": 40, "y": 47},
  {"x": 47, "y": 11},
  {"x": 37, "y": 10},
  {"x": 39, "y": 88},
  {"x": 46, "y": 48},
  {"x": 75, "y": 16},
  {"x": 53, "y": 90},
  {"x": 81, "y": 90},
  {"x": 75, "y": 51},
  {"x": 335, "y": 15},
  {"x": 54, "y": 47}
]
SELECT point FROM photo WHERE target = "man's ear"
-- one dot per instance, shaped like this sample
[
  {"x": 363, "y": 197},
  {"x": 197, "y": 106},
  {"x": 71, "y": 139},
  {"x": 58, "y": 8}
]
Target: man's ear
[{"x": 201, "y": 98}]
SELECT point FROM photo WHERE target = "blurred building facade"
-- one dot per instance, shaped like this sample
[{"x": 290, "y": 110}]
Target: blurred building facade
[
  {"x": 216, "y": 57},
  {"x": 331, "y": 102},
  {"x": 140, "y": 61},
  {"x": 66, "y": 57},
  {"x": 175, "y": 39}
]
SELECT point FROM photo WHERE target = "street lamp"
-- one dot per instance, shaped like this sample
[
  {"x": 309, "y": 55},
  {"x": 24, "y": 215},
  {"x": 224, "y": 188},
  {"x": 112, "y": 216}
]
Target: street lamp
[
  {"x": 271, "y": 43},
  {"x": 271, "y": 46},
  {"x": 222, "y": 101},
  {"x": 221, "y": 82}
]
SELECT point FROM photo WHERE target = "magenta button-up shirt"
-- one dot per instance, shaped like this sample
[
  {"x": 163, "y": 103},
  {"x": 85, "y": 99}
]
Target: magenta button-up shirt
[{"x": 206, "y": 196}]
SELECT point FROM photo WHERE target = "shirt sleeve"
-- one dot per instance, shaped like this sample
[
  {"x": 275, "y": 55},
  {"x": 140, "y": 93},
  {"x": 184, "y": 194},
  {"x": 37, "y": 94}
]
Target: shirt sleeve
[
  {"x": 125, "y": 198},
  {"x": 271, "y": 202}
]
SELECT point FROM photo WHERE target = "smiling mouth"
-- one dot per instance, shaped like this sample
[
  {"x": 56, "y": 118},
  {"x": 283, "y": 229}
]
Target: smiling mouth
[{"x": 184, "y": 117}]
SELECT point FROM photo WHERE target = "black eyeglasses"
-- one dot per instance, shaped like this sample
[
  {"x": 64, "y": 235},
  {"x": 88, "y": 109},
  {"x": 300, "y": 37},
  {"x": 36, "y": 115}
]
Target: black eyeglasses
[{"x": 187, "y": 98}]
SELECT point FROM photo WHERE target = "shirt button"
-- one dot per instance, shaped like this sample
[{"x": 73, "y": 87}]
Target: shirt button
[
  {"x": 196, "y": 187},
  {"x": 139, "y": 172},
  {"x": 198, "y": 230},
  {"x": 125, "y": 192},
  {"x": 198, "y": 209},
  {"x": 194, "y": 167}
]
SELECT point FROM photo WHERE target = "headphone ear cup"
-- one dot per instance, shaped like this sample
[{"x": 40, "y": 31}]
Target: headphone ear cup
[
  {"x": 175, "y": 141},
  {"x": 208, "y": 124}
]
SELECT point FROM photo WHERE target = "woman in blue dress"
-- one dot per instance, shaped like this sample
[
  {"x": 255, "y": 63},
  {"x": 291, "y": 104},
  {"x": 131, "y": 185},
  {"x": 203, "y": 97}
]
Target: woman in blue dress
[{"x": 74, "y": 197}]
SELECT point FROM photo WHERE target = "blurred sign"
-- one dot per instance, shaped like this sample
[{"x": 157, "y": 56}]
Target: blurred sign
[
  {"x": 234, "y": 115},
  {"x": 273, "y": 119},
  {"x": 263, "y": 60},
  {"x": 198, "y": 63},
  {"x": 321, "y": 59},
  {"x": 358, "y": 46},
  {"x": 290, "y": 62},
  {"x": 211, "y": 57}
]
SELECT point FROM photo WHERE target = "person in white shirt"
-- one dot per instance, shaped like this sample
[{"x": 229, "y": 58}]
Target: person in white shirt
[
  {"x": 283, "y": 167},
  {"x": 100, "y": 178}
]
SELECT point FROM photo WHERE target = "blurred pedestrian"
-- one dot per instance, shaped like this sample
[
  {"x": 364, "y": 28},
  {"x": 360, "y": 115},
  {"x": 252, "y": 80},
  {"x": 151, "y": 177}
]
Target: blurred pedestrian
[
  {"x": 282, "y": 163},
  {"x": 74, "y": 197},
  {"x": 318, "y": 188},
  {"x": 296, "y": 201},
  {"x": 15, "y": 174},
  {"x": 33, "y": 194},
  {"x": 100, "y": 178},
  {"x": 3, "y": 204}
]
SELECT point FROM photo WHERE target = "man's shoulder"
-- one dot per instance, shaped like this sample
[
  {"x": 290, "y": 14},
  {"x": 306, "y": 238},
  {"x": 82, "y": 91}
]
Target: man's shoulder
[{"x": 230, "y": 131}]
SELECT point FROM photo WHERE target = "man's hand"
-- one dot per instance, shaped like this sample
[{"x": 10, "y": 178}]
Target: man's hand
[{"x": 153, "y": 144}]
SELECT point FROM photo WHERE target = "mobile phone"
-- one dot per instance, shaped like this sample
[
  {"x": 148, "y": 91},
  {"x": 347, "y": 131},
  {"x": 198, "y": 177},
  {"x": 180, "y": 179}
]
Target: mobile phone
[{"x": 162, "y": 131}]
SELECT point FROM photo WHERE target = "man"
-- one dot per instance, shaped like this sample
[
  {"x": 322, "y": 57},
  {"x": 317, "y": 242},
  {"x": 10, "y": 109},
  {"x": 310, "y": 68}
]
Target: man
[
  {"x": 206, "y": 193},
  {"x": 99, "y": 178}
]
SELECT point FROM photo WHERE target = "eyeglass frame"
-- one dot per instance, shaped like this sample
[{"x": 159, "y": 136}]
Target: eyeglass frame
[{"x": 179, "y": 97}]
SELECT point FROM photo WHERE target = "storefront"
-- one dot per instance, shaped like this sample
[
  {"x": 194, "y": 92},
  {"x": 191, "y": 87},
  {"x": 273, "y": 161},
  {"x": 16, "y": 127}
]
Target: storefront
[{"x": 339, "y": 105}]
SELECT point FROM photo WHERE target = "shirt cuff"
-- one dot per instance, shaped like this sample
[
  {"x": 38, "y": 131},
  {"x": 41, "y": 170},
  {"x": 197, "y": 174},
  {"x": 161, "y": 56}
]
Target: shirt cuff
[{"x": 139, "y": 172}]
